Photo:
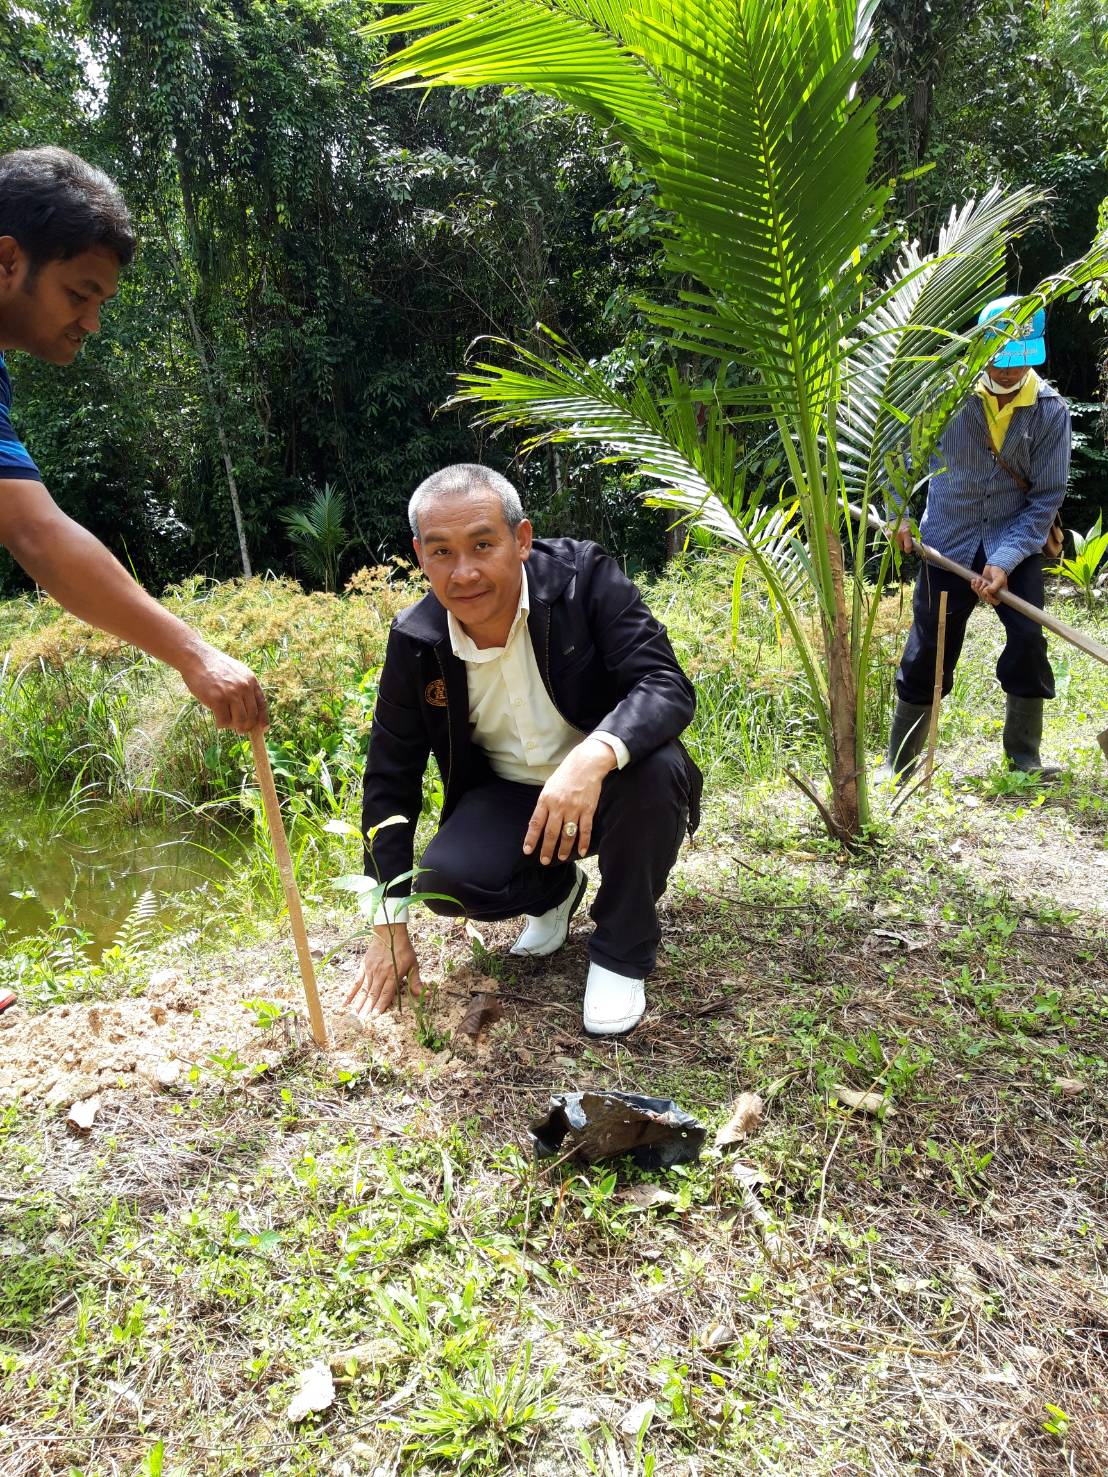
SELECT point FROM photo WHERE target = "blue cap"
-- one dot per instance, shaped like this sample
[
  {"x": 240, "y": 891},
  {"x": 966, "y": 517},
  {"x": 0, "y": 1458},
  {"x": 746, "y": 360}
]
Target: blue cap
[{"x": 1028, "y": 346}]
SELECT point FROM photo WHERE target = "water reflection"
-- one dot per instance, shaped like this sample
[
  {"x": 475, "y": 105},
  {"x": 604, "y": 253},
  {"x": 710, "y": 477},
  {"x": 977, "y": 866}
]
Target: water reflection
[{"x": 94, "y": 870}]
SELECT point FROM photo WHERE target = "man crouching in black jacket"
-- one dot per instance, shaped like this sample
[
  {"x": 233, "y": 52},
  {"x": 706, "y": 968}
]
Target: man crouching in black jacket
[{"x": 552, "y": 701}]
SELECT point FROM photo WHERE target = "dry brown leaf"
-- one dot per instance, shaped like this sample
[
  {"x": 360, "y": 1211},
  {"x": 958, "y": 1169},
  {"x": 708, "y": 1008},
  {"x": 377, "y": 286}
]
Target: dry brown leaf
[
  {"x": 747, "y": 1175},
  {"x": 912, "y": 945},
  {"x": 316, "y": 1392},
  {"x": 645, "y": 1197},
  {"x": 717, "y": 1335},
  {"x": 1069, "y": 1086},
  {"x": 744, "y": 1119},
  {"x": 864, "y": 1102},
  {"x": 484, "y": 1010},
  {"x": 83, "y": 1114}
]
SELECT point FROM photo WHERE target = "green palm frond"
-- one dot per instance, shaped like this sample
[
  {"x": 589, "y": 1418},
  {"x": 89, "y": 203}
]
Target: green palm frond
[
  {"x": 766, "y": 172},
  {"x": 680, "y": 443},
  {"x": 910, "y": 366},
  {"x": 746, "y": 115},
  {"x": 318, "y": 532},
  {"x": 905, "y": 345},
  {"x": 588, "y": 55}
]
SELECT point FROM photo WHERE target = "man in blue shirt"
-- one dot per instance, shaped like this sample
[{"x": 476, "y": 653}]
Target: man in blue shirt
[
  {"x": 65, "y": 235},
  {"x": 996, "y": 485}
]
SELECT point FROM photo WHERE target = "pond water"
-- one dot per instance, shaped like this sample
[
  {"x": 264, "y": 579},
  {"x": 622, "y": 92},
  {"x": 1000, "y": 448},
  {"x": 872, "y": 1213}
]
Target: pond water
[{"x": 92, "y": 868}]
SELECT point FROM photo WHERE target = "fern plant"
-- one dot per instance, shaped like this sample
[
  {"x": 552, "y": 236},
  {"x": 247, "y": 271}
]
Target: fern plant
[
  {"x": 750, "y": 120},
  {"x": 133, "y": 937}
]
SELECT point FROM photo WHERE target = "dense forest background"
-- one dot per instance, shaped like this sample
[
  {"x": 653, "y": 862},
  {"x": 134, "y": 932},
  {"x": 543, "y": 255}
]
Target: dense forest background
[{"x": 316, "y": 258}]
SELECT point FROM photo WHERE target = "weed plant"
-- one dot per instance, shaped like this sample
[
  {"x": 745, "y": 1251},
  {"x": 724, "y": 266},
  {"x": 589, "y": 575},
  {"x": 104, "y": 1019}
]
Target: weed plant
[
  {"x": 61, "y": 963},
  {"x": 83, "y": 715},
  {"x": 79, "y": 708}
]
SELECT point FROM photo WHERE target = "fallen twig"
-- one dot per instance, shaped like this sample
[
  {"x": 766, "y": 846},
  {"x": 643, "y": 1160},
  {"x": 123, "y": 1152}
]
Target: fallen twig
[{"x": 805, "y": 788}]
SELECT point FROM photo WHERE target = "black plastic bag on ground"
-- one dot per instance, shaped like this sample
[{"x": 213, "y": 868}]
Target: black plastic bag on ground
[{"x": 654, "y": 1131}]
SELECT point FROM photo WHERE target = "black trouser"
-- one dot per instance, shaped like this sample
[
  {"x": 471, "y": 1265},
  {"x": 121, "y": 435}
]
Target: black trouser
[
  {"x": 477, "y": 857},
  {"x": 1023, "y": 669}
]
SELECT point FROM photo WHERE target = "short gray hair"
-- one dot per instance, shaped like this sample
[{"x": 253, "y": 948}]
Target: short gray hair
[{"x": 459, "y": 481}]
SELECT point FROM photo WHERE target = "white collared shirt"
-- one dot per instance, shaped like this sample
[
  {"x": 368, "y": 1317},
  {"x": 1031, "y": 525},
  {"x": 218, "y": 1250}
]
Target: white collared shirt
[{"x": 511, "y": 715}]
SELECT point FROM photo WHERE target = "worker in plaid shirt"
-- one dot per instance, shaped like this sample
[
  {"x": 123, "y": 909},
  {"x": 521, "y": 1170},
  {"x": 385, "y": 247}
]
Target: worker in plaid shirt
[{"x": 997, "y": 482}]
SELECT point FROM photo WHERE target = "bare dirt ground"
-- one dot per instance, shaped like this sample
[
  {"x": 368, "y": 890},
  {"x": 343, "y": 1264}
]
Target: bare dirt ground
[
  {"x": 186, "y": 1014},
  {"x": 1039, "y": 857}
]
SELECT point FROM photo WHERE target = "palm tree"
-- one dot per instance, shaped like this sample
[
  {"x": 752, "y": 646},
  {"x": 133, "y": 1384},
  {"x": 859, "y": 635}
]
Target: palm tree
[
  {"x": 748, "y": 117},
  {"x": 318, "y": 533}
]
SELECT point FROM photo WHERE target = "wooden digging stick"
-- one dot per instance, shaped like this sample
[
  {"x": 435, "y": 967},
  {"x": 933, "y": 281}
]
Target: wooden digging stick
[
  {"x": 1040, "y": 617},
  {"x": 292, "y": 893},
  {"x": 1049, "y": 622},
  {"x": 937, "y": 695}
]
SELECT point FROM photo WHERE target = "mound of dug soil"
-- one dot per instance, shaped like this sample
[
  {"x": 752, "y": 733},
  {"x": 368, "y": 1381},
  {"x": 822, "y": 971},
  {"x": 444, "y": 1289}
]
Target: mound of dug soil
[{"x": 191, "y": 1018}]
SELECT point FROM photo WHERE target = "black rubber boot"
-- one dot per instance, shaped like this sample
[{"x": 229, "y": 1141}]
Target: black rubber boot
[
  {"x": 1023, "y": 734},
  {"x": 907, "y": 737}
]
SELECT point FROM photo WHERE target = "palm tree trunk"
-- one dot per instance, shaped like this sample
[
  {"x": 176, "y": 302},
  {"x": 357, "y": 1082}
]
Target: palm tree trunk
[{"x": 845, "y": 803}]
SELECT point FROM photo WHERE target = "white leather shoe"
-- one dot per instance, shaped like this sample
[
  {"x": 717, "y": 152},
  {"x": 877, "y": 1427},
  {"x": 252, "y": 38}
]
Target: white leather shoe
[
  {"x": 547, "y": 933},
  {"x": 613, "y": 1002}
]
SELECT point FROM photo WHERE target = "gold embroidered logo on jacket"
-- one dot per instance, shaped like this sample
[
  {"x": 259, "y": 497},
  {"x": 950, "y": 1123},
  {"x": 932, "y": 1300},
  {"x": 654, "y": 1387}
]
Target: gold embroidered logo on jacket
[{"x": 435, "y": 693}]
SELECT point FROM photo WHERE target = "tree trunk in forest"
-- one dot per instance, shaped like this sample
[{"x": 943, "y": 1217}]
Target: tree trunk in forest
[
  {"x": 554, "y": 473},
  {"x": 221, "y": 433},
  {"x": 919, "y": 137},
  {"x": 209, "y": 387}
]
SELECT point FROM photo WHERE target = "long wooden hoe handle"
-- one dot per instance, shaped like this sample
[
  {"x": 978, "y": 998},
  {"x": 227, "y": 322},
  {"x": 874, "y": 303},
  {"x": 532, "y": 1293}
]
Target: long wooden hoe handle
[
  {"x": 1040, "y": 617},
  {"x": 292, "y": 893}
]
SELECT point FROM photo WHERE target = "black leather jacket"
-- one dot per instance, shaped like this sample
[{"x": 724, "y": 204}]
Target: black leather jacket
[{"x": 605, "y": 661}]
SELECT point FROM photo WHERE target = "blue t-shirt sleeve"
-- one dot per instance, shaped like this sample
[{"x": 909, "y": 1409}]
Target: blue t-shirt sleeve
[{"x": 15, "y": 459}]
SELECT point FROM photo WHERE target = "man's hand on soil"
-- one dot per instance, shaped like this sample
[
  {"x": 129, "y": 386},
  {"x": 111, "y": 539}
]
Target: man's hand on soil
[
  {"x": 227, "y": 687},
  {"x": 389, "y": 959},
  {"x": 989, "y": 583},
  {"x": 572, "y": 793}
]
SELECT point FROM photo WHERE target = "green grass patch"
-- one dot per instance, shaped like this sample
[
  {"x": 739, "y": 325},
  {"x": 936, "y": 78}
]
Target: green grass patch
[{"x": 851, "y": 1289}]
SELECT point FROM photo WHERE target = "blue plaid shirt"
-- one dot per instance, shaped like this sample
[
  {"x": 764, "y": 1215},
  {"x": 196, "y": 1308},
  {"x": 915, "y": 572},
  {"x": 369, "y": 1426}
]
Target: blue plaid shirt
[{"x": 972, "y": 501}]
